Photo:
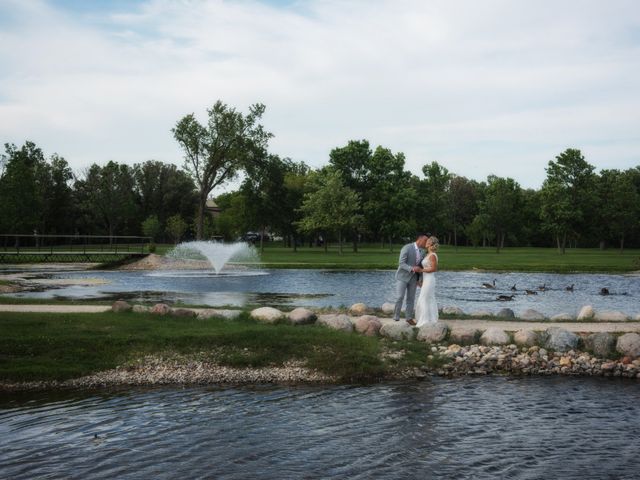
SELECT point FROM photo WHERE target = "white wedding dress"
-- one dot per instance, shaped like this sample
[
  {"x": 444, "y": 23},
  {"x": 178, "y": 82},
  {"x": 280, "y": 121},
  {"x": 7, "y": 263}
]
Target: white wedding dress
[{"x": 426, "y": 307}]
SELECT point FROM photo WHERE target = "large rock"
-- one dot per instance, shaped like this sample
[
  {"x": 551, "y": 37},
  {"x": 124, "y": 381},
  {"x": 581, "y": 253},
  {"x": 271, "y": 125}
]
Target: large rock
[
  {"x": 208, "y": 313},
  {"x": 387, "y": 308},
  {"x": 141, "y": 309},
  {"x": 637, "y": 318},
  {"x": 481, "y": 313},
  {"x": 562, "y": 317},
  {"x": 463, "y": 335},
  {"x": 505, "y": 313},
  {"x": 368, "y": 325},
  {"x": 336, "y": 322},
  {"x": 452, "y": 311},
  {"x": 183, "y": 312},
  {"x": 302, "y": 316},
  {"x": 586, "y": 313},
  {"x": 531, "y": 315},
  {"x": 161, "y": 309},
  {"x": 629, "y": 344},
  {"x": 121, "y": 306},
  {"x": 611, "y": 316},
  {"x": 398, "y": 331},
  {"x": 433, "y": 332},
  {"x": 560, "y": 340},
  {"x": 601, "y": 344},
  {"x": 494, "y": 336},
  {"x": 525, "y": 338},
  {"x": 267, "y": 314},
  {"x": 358, "y": 309}
]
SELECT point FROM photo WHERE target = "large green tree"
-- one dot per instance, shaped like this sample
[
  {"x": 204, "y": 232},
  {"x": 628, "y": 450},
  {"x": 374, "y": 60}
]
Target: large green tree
[
  {"x": 618, "y": 205},
  {"x": 568, "y": 196},
  {"x": 214, "y": 153},
  {"x": 502, "y": 206},
  {"x": 331, "y": 207},
  {"x": 433, "y": 197}
]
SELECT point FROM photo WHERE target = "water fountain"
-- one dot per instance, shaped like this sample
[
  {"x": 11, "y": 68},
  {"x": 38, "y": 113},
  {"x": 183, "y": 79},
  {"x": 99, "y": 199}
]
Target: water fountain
[{"x": 218, "y": 254}]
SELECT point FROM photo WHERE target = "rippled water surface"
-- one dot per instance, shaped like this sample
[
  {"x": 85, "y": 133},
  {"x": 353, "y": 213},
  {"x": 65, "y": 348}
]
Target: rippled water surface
[
  {"x": 327, "y": 288},
  {"x": 492, "y": 427}
]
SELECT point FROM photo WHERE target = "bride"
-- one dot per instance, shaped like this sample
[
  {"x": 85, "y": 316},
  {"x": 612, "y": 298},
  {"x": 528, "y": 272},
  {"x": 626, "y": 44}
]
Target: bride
[{"x": 426, "y": 307}]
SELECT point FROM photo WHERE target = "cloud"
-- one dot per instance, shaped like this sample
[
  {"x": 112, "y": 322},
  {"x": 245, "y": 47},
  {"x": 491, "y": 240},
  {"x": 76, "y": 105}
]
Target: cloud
[{"x": 481, "y": 87}]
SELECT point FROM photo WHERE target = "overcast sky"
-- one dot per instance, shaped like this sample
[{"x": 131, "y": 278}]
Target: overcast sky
[{"x": 482, "y": 87}]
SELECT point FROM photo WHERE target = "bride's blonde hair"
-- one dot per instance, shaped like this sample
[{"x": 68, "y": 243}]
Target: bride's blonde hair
[{"x": 435, "y": 243}]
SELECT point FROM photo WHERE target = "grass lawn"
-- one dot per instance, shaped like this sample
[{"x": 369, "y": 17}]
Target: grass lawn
[
  {"x": 464, "y": 258},
  {"x": 36, "y": 346}
]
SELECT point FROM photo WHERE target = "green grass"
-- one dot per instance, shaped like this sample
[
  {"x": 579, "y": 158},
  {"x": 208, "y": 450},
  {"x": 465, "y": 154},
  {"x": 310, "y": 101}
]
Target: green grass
[
  {"x": 464, "y": 258},
  {"x": 36, "y": 346}
]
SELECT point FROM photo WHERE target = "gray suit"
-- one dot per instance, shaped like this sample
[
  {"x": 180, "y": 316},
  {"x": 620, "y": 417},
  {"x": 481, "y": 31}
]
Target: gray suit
[{"x": 407, "y": 280}]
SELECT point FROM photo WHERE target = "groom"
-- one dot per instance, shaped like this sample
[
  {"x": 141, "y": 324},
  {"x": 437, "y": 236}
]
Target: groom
[{"x": 407, "y": 276}]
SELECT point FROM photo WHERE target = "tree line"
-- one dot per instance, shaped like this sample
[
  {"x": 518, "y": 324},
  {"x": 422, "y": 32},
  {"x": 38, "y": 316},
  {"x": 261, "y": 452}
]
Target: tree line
[{"x": 361, "y": 195}]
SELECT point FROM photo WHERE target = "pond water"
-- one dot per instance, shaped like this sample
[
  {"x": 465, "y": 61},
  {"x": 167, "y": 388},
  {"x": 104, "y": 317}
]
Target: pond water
[
  {"x": 476, "y": 428},
  {"x": 331, "y": 288}
]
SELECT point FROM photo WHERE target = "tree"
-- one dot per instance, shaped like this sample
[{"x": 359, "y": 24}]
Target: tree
[
  {"x": 502, "y": 204},
  {"x": 566, "y": 196},
  {"x": 463, "y": 204},
  {"x": 215, "y": 153},
  {"x": 618, "y": 205},
  {"x": 151, "y": 227},
  {"x": 176, "y": 228},
  {"x": 433, "y": 197},
  {"x": 330, "y": 207}
]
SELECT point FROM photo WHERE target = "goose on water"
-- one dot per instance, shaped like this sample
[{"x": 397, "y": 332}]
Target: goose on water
[
  {"x": 505, "y": 298},
  {"x": 489, "y": 285},
  {"x": 513, "y": 289},
  {"x": 531, "y": 292},
  {"x": 569, "y": 289}
]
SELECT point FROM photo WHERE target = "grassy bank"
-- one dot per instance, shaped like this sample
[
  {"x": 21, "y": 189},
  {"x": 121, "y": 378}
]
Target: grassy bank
[
  {"x": 36, "y": 346},
  {"x": 464, "y": 258}
]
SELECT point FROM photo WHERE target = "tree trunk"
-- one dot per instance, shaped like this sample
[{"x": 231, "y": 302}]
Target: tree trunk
[
  {"x": 564, "y": 243},
  {"x": 355, "y": 242},
  {"x": 340, "y": 241},
  {"x": 262, "y": 238},
  {"x": 295, "y": 242},
  {"x": 602, "y": 244},
  {"x": 498, "y": 242},
  {"x": 326, "y": 244},
  {"x": 455, "y": 238},
  {"x": 621, "y": 244},
  {"x": 202, "y": 203}
]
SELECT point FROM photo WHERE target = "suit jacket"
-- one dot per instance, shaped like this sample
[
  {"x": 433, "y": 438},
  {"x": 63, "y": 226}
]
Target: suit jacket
[{"x": 407, "y": 261}]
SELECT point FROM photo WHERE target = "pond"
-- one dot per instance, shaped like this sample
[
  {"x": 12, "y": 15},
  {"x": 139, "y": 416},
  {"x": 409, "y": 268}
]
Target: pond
[
  {"x": 331, "y": 288},
  {"x": 490, "y": 427}
]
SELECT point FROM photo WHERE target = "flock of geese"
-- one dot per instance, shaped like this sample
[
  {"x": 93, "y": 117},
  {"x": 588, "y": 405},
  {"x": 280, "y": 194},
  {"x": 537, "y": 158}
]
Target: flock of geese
[{"x": 541, "y": 288}]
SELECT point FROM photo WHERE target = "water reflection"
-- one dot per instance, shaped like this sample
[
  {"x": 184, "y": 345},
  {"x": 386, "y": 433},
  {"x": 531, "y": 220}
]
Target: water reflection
[{"x": 465, "y": 428}]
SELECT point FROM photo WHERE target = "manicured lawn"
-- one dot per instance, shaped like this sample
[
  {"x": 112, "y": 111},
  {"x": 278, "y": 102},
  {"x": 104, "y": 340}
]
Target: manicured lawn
[{"x": 36, "y": 346}]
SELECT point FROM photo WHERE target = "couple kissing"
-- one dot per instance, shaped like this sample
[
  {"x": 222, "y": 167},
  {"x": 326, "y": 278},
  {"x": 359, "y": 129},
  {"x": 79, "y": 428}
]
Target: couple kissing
[{"x": 417, "y": 265}]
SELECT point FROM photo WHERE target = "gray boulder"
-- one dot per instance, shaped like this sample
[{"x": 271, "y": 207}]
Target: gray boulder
[
  {"x": 160, "y": 309},
  {"x": 586, "y": 313},
  {"x": 601, "y": 344},
  {"x": 182, "y": 312},
  {"x": 387, "y": 308},
  {"x": 463, "y": 335},
  {"x": 433, "y": 332},
  {"x": 531, "y": 315},
  {"x": 452, "y": 311},
  {"x": 302, "y": 316},
  {"x": 560, "y": 340},
  {"x": 611, "y": 316},
  {"x": 141, "y": 309},
  {"x": 494, "y": 336},
  {"x": 336, "y": 322},
  {"x": 629, "y": 344},
  {"x": 505, "y": 313},
  {"x": 121, "y": 306},
  {"x": 358, "y": 309},
  {"x": 267, "y": 314},
  {"x": 525, "y": 338},
  {"x": 398, "y": 331},
  {"x": 213, "y": 313},
  {"x": 562, "y": 317},
  {"x": 368, "y": 325}
]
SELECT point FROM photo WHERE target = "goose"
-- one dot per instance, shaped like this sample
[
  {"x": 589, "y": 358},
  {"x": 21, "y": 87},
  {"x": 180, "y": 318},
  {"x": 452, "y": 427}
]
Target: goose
[
  {"x": 531, "y": 292},
  {"x": 489, "y": 285},
  {"x": 513, "y": 289},
  {"x": 569, "y": 289},
  {"x": 604, "y": 291},
  {"x": 504, "y": 298},
  {"x": 543, "y": 287}
]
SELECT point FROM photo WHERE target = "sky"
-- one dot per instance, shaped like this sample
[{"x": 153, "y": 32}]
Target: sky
[{"x": 491, "y": 87}]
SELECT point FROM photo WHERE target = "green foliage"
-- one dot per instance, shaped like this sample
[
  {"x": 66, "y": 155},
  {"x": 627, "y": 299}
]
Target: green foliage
[
  {"x": 151, "y": 227},
  {"x": 176, "y": 228},
  {"x": 215, "y": 153},
  {"x": 501, "y": 206}
]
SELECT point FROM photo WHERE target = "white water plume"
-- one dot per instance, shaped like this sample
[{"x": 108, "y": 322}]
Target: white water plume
[{"x": 217, "y": 253}]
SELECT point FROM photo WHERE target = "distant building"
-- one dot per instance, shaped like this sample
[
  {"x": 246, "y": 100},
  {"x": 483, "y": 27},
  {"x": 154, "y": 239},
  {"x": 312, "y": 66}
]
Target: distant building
[{"x": 213, "y": 209}]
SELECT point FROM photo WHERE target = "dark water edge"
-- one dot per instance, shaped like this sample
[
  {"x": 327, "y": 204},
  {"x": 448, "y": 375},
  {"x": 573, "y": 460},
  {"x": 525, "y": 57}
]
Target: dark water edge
[{"x": 495, "y": 427}]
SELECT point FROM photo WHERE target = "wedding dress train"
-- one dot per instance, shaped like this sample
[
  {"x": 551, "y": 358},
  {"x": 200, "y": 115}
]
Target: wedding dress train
[{"x": 426, "y": 307}]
